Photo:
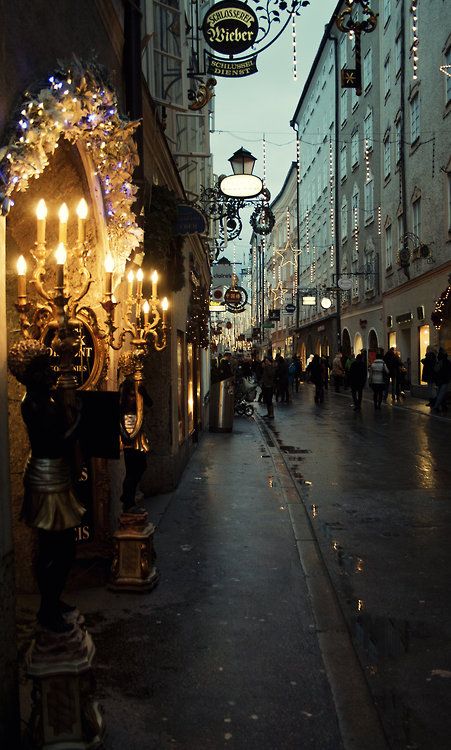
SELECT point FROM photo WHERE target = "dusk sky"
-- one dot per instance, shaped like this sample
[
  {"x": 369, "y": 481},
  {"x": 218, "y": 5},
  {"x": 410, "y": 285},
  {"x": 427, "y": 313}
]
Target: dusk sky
[{"x": 264, "y": 103}]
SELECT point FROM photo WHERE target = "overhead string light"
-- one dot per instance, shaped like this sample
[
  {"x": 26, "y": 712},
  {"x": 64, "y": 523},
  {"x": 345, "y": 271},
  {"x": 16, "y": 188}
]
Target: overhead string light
[
  {"x": 356, "y": 230},
  {"x": 379, "y": 220},
  {"x": 298, "y": 161},
  {"x": 415, "y": 38},
  {"x": 254, "y": 282},
  {"x": 331, "y": 201},
  {"x": 367, "y": 160},
  {"x": 293, "y": 41}
]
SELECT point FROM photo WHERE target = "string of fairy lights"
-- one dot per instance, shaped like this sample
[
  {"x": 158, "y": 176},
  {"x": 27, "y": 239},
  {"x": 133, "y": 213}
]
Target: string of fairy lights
[
  {"x": 415, "y": 38},
  {"x": 294, "y": 44}
]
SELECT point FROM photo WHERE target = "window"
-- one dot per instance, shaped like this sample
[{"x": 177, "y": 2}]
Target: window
[
  {"x": 415, "y": 118},
  {"x": 447, "y": 77},
  {"x": 424, "y": 338},
  {"x": 416, "y": 217},
  {"x": 369, "y": 200},
  {"x": 344, "y": 219},
  {"x": 343, "y": 107},
  {"x": 355, "y": 149},
  {"x": 343, "y": 162},
  {"x": 388, "y": 247},
  {"x": 368, "y": 129},
  {"x": 387, "y": 76},
  {"x": 167, "y": 43},
  {"x": 398, "y": 146},
  {"x": 398, "y": 58},
  {"x": 387, "y": 11},
  {"x": 387, "y": 156},
  {"x": 190, "y": 371},
  {"x": 181, "y": 384},
  {"x": 367, "y": 70},
  {"x": 343, "y": 51}
]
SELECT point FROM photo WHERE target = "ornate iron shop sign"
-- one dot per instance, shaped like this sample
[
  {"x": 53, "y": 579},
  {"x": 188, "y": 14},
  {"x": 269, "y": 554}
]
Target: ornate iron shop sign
[
  {"x": 235, "y": 299},
  {"x": 232, "y": 27}
]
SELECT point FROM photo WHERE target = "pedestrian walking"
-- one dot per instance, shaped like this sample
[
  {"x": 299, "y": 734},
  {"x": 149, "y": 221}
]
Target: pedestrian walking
[
  {"x": 267, "y": 384},
  {"x": 428, "y": 374},
  {"x": 442, "y": 378},
  {"x": 357, "y": 380},
  {"x": 282, "y": 382},
  {"x": 338, "y": 371},
  {"x": 315, "y": 373},
  {"x": 393, "y": 363},
  {"x": 378, "y": 371},
  {"x": 294, "y": 373},
  {"x": 348, "y": 362}
]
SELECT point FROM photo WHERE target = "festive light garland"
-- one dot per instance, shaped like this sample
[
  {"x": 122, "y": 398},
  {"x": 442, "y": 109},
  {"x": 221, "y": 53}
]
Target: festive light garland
[
  {"x": 416, "y": 41},
  {"x": 441, "y": 304},
  {"x": 197, "y": 324},
  {"x": 293, "y": 41},
  {"x": 79, "y": 106}
]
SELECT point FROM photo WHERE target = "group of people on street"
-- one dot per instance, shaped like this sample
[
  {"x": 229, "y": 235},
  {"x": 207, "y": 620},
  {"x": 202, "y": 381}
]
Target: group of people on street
[{"x": 437, "y": 374}]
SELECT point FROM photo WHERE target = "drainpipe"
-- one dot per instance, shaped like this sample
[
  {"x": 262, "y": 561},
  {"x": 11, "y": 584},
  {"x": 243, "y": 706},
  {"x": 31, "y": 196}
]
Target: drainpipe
[{"x": 337, "y": 182}]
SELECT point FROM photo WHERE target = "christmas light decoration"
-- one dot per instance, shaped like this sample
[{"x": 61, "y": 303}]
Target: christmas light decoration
[
  {"x": 416, "y": 41},
  {"x": 379, "y": 220},
  {"x": 441, "y": 305},
  {"x": 293, "y": 41},
  {"x": 79, "y": 106}
]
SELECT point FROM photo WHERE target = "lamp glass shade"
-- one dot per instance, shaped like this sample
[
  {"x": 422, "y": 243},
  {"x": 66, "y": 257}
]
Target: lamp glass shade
[
  {"x": 241, "y": 186},
  {"x": 242, "y": 161},
  {"x": 326, "y": 303}
]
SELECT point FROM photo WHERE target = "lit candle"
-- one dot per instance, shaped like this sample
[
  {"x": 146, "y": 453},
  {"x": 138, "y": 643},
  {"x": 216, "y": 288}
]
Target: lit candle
[
  {"x": 139, "y": 279},
  {"x": 82, "y": 212},
  {"x": 146, "y": 310},
  {"x": 41, "y": 213},
  {"x": 21, "y": 267},
  {"x": 130, "y": 281},
  {"x": 164, "y": 306},
  {"x": 63, "y": 215},
  {"x": 60, "y": 255},
  {"x": 109, "y": 268},
  {"x": 154, "y": 280}
]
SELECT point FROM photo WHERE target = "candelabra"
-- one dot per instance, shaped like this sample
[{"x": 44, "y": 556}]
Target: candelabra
[{"x": 59, "y": 309}]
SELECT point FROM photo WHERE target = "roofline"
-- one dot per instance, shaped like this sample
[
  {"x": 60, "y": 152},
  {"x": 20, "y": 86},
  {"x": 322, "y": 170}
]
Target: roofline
[
  {"x": 289, "y": 173},
  {"x": 324, "y": 40}
]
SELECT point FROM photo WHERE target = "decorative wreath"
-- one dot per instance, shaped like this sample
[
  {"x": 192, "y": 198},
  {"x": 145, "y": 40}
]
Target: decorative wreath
[
  {"x": 78, "y": 104},
  {"x": 262, "y": 220}
]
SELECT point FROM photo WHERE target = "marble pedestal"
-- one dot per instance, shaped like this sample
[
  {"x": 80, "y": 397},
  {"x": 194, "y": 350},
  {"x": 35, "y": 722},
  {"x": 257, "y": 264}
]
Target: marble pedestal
[
  {"x": 65, "y": 715},
  {"x": 133, "y": 567}
]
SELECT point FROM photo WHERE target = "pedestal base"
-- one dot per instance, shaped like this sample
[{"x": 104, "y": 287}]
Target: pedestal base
[
  {"x": 65, "y": 715},
  {"x": 133, "y": 567}
]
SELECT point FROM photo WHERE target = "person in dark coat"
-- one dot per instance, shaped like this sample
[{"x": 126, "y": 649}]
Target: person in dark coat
[
  {"x": 282, "y": 381},
  {"x": 442, "y": 378},
  {"x": 393, "y": 362},
  {"x": 315, "y": 374},
  {"x": 428, "y": 375},
  {"x": 357, "y": 380}
]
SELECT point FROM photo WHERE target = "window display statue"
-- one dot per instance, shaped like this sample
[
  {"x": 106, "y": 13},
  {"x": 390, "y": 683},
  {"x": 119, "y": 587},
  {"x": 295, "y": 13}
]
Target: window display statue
[
  {"x": 49, "y": 505},
  {"x": 133, "y": 397}
]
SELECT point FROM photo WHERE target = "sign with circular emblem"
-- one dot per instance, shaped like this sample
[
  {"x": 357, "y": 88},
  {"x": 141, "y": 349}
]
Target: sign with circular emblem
[
  {"x": 235, "y": 299},
  {"x": 230, "y": 27}
]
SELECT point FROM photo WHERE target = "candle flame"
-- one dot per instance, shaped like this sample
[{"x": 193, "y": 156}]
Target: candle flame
[
  {"x": 41, "y": 210},
  {"x": 154, "y": 277},
  {"x": 165, "y": 303},
  {"x": 130, "y": 277},
  {"x": 82, "y": 209},
  {"x": 61, "y": 254},
  {"x": 139, "y": 274},
  {"x": 21, "y": 266},
  {"x": 63, "y": 213},
  {"x": 109, "y": 263},
  {"x": 146, "y": 307}
]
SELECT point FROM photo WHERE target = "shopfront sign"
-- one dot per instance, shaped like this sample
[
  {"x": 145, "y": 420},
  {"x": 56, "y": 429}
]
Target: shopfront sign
[
  {"x": 404, "y": 319},
  {"x": 231, "y": 68},
  {"x": 290, "y": 308},
  {"x": 230, "y": 27},
  {"x": 190, "y": 220},
  {"x": 274, "y": 314},
  {"x": 235, "y": 299}
]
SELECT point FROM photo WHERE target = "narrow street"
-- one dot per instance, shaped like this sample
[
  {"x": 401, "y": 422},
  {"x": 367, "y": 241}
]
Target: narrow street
[{"x": 244, "y": 644}]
